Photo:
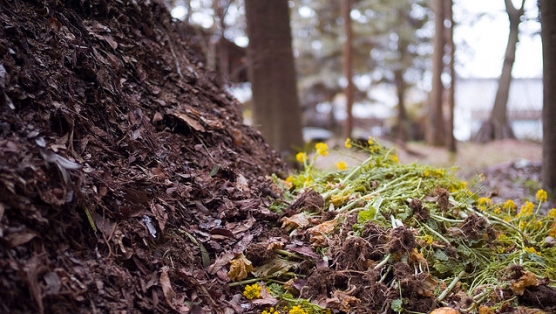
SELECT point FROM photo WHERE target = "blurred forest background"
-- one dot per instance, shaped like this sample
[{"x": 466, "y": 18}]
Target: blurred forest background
[
  {"x": 440, "y": 73},
  {"x": 391, "y": 86}
]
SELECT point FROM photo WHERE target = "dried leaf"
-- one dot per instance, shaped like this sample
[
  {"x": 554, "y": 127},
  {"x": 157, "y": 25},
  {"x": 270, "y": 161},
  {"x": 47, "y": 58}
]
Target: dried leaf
[
  {"x": 266, "y": 298},
  {"x": 527, "y": 279},
  {"x": 274, "y": 268},
  {"x": 194, "y": 124},
  {"x": 164, "y": 282},
  {"x": 300, "y": 220},
  {"x": 239, "y": 268},
  {"x": 19, "y": 238},
  {"x": 222, "y": 260}
]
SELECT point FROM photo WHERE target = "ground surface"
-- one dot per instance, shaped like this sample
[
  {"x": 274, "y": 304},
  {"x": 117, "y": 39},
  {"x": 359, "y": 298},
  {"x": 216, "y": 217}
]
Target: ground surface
[{"x": 128, "y": 182}]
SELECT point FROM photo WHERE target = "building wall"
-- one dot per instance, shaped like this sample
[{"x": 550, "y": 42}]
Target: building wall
[{"x": 475, "y": 98}]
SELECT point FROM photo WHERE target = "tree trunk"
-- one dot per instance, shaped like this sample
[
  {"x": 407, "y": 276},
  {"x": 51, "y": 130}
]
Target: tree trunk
[
  {"x": 498, "y": 126},
  {"x": 435, "y": 129},
  {"x": 548, "y": 34},
  {"x": 452, "y": 144},
  {"x": 348, "y": 66},
  {"x": 402, "y": 115},
  {"x": 276, "y": 109}
]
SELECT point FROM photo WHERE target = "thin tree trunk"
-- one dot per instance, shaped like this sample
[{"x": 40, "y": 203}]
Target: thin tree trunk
[
  {"x": 402, "y": 115},
  {"x": 452, "y": 145},
  {"x": 276, "y": 110},
  {"x": 435, "y": 129},
  {"x": 548, "y": 34},
  {"x": 348, "y": 66},
  {"x": 498, "y": 126}
]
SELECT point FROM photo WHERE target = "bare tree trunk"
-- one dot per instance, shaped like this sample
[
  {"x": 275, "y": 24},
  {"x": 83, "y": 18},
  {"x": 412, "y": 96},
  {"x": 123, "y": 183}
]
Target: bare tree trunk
[
  {"x": 435, "y": 129},
  {"x": 498, "y": 126},
  {"x": 548, "y": 34},
  {"x": 402, "y": 115},
  {"x": 276, "y": 109},
  {"x": 452, "y": 145},
  {"x": 348, "y": 66}
]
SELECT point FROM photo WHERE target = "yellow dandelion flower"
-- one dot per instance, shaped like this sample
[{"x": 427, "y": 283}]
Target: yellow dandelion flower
[
  {"x": 552, "y": 213},
  {"x": 252, "y": 291},
  {"x": 341, "y": 165},
  {"x": 301, "y": 157},
  {"x": 484, "y": 201},
  {"x": 297, "y": 310},
  {"x": 322, "y": 149},
  {"x": 509, "y": 205},
  {"x": 531, "y": 250},
  {"x": 394, "y": 158},
  {"x": 541, "y": 195},
  {"x": 526, "y": 209},
  {"x": 428, "y": 239},
  {"x": 347, "y": 143},
  {"x": 270, "y": 311}
]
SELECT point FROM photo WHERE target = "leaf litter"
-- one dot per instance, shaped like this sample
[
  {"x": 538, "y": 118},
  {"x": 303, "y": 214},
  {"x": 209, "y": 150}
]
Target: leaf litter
[{"x": 129, "y": 184}]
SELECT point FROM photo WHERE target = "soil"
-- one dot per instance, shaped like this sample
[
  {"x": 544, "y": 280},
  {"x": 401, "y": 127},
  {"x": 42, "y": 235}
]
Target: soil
[{"x": 128, "y": 182}]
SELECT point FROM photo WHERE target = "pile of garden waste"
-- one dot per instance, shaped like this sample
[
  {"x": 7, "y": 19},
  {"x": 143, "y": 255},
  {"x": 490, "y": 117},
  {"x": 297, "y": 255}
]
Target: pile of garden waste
[{"x": 385, "y": 237}]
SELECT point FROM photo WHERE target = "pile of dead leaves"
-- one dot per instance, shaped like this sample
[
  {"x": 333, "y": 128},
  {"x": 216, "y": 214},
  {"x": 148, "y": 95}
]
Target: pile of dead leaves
[{"x": 125, "y": 169}]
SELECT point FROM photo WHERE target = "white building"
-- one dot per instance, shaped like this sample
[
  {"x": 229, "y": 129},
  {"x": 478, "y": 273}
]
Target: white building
[{"x": 475, "y": 97}]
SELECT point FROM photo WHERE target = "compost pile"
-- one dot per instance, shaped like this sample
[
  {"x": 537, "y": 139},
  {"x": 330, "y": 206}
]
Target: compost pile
[
  {"x": 128, "y": 184},
  {"x": 124, "y": 164}
]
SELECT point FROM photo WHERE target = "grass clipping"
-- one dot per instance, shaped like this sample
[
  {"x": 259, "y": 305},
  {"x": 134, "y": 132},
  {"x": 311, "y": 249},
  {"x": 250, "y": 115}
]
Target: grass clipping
[{"x": 385, "y": 237}]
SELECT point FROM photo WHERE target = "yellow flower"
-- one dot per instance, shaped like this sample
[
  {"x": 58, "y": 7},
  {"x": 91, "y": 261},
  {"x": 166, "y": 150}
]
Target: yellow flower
[
  {"x": 347, "y": 143},
  {"x": 301, "y": 157},
  {"x": 552, "y": 213},
  {"x": 370, "y": 141},
  {"x": 270, "y": 311},
  {"x": 484, "y": 201},
  {"x": 428, "y": 239},
  {"x": 531, "y": 250},
  {"x": 341, "y": 165},
  {"x": 552, "y": 232},
  {"x": 322, "y": 149},
  {"x": 297, "y": 310},
  {"x": 426, "y": 173},
  {"x": 509, "y": 205},
  {"x": 541, "y": 195},
  {"x": 252, "y": 291},
  {"x": 394, "y": 158},
  {"x": 526, "y": 209}
]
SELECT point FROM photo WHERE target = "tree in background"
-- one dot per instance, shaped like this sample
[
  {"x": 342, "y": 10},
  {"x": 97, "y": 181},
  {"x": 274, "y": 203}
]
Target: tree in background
[
  {"x": 348, "y": 66},
  {"x": 272, "y": 74},
  {"x": 498, "y": 125},
  {"x": 435, "y": 127},
  {"x": 388, "y": 46},
  {"x": 548, "y": 34},
  {"x": 451, "y": 140}
]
